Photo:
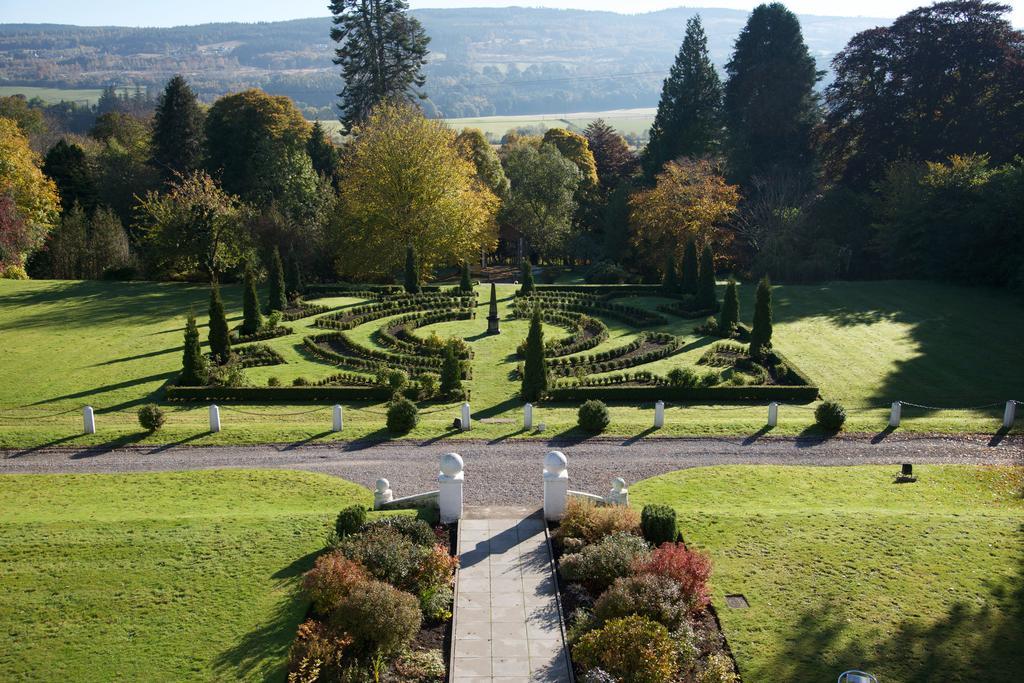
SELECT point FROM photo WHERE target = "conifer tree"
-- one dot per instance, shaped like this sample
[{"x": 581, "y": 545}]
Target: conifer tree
[
  {"x": 293, "y": 277},
  {"x": 690, "y": 268},
  {"x": 761, "y": 331},
  {"x": 466, "y": 284},
  {"x": 730, "y": 316},
  {"x": 535, "y": 372},
  {"x": 252, "y": 321},
  {"x": 177, "y": 130},
  {"x": 451, "y": 373},
  {"x": 528, "y": 286},
  {"x": 219, "y": 337},
  {"x": 669, "y": 281},
  {"x": 706, "y": 299},
  {"x": 277, "y": 300},
  {"x": 412, "y": 273},
  {"x": 193, "y": 363},
  {"x": 322, "y": 153}
]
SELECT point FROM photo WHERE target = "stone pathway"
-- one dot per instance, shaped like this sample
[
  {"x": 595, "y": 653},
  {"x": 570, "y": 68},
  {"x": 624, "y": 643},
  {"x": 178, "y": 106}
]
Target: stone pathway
[{"x": 507, "y": 625}]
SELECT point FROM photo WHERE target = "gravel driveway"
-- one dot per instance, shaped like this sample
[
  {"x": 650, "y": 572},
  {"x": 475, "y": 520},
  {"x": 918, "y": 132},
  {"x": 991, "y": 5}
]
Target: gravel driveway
[{"x": 509, "y": 472}]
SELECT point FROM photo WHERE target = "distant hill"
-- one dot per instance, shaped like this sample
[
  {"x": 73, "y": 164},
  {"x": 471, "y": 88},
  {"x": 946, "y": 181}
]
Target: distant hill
[{"x": 483, "y": 61}]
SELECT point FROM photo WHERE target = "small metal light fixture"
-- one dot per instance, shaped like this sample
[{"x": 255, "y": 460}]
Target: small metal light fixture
[
  {"x": 906, "y": 475},
  {"x": 737, "y": 601},
  {"x": 854, "y": 676}
]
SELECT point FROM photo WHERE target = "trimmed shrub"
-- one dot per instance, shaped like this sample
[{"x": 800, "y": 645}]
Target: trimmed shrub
[
  {"x": 252, "y": 321},
  {"x": 535, "y": 371},
  {"x": 598, "y": 565},
  {"x": 397, "y": 379},
  {"x": 761, "y": 331},
  {"x": 730, "y": 316},
  {"x": 589, "y": 522},
  {"x": 528, "y": 286},
  {"x": 381, "y": 619},
  {"x": 151, "y": 417},
  {"x": 413, "y": 528},
  {"x": 403, "y": 415},
  {"x": 451, "y": 373},
  {"x": 277, "y": 298},
  {"x": 331, "y": 579},
  {"x": 706, "y": 298},
  {"x": 689, "y": 568},
  {"x": 633, "y": 649},
  {"x": 350, "y": 520},
  {"x": 659, "y": 524},
  {"x": 412, "y": 271},
  {"x": 387, "y": 555},
  {"x": 830, "y": 416},
  {"x": 193, "y": 362},
  {"x": 593, "y": 417},
  {"x": 682, "y": 377},
  {"x": 218, "y": 335},
  {"x": 658, "y": 598},
  {"x": 465, "y": 282}
]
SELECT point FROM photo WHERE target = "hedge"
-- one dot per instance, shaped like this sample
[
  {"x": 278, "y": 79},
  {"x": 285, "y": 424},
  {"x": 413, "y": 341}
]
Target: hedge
[
  {"x": 278, "y": 394},
  {"x": 583, "y": 303},
  {"x": 353, "y": 317},
  {"x": 404, "y": 341},
  {"x": 716, "y": 394},
  {"x": 604, "y": 290},
  {"x": 261, "y": 335}
]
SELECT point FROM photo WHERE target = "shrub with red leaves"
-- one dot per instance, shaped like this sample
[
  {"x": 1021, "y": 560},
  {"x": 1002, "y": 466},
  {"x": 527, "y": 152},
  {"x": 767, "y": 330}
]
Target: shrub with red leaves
[
  {"x": 690, "y": 568},
  {"x": 330, "y": 580}
]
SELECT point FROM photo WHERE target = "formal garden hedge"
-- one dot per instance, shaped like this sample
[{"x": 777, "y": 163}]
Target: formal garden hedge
[
  {"x": 261, "y": 335},
  {"x": 398, "y": 333},
  {"x": 279, "y": 394},
  {"x": 715, "y": 394},
  {"x": 255, "y": 355},
  {"x": 587, "y": 332},
  {"x": 608, "y": 291},
  {"x": 407, "y": 303},
  {"x": 304, "y": 310},
  {"x": 589, "y": 304},
  {"x": 646, "y": 348},
  {"x": 339, "y": 349}
]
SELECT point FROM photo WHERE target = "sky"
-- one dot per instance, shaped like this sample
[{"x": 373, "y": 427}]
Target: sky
[{"x": 178, "y": 12}]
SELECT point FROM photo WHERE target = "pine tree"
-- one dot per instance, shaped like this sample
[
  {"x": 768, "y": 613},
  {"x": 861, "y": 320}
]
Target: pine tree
[
  {"x": 535, "y": 372},
  {"x": 277, "y": 300},
  {"x": 323, "y": 153},
  {"x": 690, "y": 268},
  {"x": 669, "y": 281},
  {"x": 730, "y": 316},
  {"x": 706, "y": 299},
  {"x": 177, "y": 130},
  {"x": 219, "y": 337},
  {"x": 252, "y": 321},
  {"x": 466, "y": 284},
  {"x": 293, "y": 277},
  {"x": 761, "y": 332},
  {"x": 688, "y": 121},
  {"x": 412, "y": 273},
  {"x": 68, "y": 166},
  {"x": 451, "y": 373},
  {"x": 193, "y": 363},
  {"x": 528, "y": 286},
  {"x": 381, "y": 51}
]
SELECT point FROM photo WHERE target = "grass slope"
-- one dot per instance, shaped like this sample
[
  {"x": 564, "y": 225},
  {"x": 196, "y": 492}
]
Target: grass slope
[
  {"x": 845, "y": 569},
  {"x": 158, "y": 577},
  {"x": 114, "y": 345}
]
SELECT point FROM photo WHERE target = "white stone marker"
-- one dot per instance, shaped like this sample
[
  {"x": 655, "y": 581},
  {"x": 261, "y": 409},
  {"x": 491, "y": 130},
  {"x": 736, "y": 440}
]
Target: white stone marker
[
  {"x": 528, "y": 416},
  {"x": 449, "y": 484},
  {"x": 556, "y": 485},
  {"x": 619, "y": 495},
  {"x": 1010, "y": 414},
  {"x": 895, "y": 413},
  {"x": 466, "y": 423},
  {"x": 339, "y": 421},
  {"x": 659, "y": 414},
  {"x": 214, "y": 418},
  {"x": 773, "y": 414},
  {"x": 89, "y": 420},
  {"x": 382, "y": 494}
]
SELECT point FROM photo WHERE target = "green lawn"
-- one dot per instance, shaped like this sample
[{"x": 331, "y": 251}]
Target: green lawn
[
  {"x": 845, "y": 569},
  {"x": 158, "y": 577},
  {"x": 56, "y": 95},
  {"x": 114, "y": 346}
]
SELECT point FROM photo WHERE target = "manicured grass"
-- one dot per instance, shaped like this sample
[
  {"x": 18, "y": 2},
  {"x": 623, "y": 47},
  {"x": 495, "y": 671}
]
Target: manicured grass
[
  {"x": 56, "y": 95},
  {"x": 158, "y": 577},
  {"x": 114, "y": 345},
  {"x": 845, "y": 569}
]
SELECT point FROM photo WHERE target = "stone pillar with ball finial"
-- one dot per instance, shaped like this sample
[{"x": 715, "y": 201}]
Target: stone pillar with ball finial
[
  {"x": 492, "y": 313},
  {"x": 556, "y": 485},
  {"x": 449, "y": 484}
]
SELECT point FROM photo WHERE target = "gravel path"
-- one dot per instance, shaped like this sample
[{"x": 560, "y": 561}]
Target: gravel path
[{"x": 509, "y": 472}]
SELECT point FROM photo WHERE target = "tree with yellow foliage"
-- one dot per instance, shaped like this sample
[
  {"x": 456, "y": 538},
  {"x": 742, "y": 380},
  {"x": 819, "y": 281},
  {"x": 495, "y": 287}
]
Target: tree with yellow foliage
[
  {"x": 33, "y": 205},
  {"x": 404, "y": 183},
  {"x": 576, "y": 149},
  {"x": 689, "y": 200}
]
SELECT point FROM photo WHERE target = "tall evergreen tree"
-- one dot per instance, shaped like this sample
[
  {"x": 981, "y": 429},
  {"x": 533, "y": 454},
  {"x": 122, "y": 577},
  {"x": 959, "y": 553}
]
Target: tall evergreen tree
[
  {"x": 689, "y": 119},
  {"x": 466, "y": 282},
  {"x": 690, "y": 268},
  {"x": 730, "y": 316},
  {"x": 412, "y": 271},
  {"x": 535, "y": 372},
  {"x": 669, "y": 281},
  {"x": 278, "y": 298},
  {"x": 293, "y": 277},
  {"x": 252, "y": 321},
  {"x": 451, "y": 373},
  {"x": 66, "y": 164},
  {"x": 770, "y": 104},
  {"x": 193, "y": 363},
  {"x": 323, "y": 153},
  {"x": 219, "y": 337},
  {"x": 381, "y": 52},
  {"x": 706, "y": 299},
  {"x": 177, "y": 130},
  {"x": 528, "y": 286},
  {"x": 761, "y": 332}
]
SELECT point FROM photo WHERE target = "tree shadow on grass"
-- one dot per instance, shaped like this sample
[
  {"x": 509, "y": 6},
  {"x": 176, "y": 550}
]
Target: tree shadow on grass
[
  {"x": 166, "y": 376},
  {"x": 42, "y": 447}
]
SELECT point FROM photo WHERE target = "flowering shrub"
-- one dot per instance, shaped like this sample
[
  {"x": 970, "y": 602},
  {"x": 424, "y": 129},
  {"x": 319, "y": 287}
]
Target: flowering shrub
[
  {"x": 585, "y": 520},
  {"x": 689, "y": 568},
  {"x": 435, "y": 569},
  {"x": 330, "y": 580},
  {"x": 319, "y": 645},
  {"x": 658, "y": 598},
  {"x": 598, "y": 565},
  {"x": 633, "y": 649},
  {"x": 717, "y": 669}
]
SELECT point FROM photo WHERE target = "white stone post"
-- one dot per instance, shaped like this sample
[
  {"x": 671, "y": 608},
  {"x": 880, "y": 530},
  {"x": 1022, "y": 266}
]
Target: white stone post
[
  {"x": 89, "y": 420},
  {"x": 382, "y": 494},
  {"x": 619, "y": 495},
  {"x": 556, "y": 485},
  {"x": 214, "y": 418},
  {"x": 339, "y": 421},
  {"x": 466, "y": 422},
  {"x": 659, "y": 414},
  {"x": 449, "y": 484},
  {"x": 528, "y": 416},
  {"x": 1010, "y": 414},
  {"x": 773, "y": 414},
  {"x": 895, "y": 414}
]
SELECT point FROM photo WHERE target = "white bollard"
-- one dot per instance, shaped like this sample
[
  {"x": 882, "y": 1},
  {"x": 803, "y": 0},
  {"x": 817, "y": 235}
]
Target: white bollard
[
  {"x": 339, "y": 421},
  {"x": 895, "y": 414},
  {"x": 556, "y": 485},
  {"x": 214, "y": 418},
  {"x": 466, "y": 423},
  {"x": 528, "y": 416},
  {"x": 659, "y": 414},
  {"x": 89, "y": 420},
  {"x": 382, "y": 494},
  {"x": 1010, "y": 414},
  {"x": 449, "y": 484},
  {"x": 773, "y": 414},
  {"x": 619, "y": 495}
]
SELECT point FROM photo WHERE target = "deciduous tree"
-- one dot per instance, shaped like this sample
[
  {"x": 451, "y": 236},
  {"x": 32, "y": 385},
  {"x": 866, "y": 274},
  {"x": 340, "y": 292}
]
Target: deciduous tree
[
  {"x": 474, "y": 146},
  {"x": 576, "y": 149},
  {"x": 35, "y": 198},
  {"x": 542, "y": 201},
  {"x": 614, "y": 160}
]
